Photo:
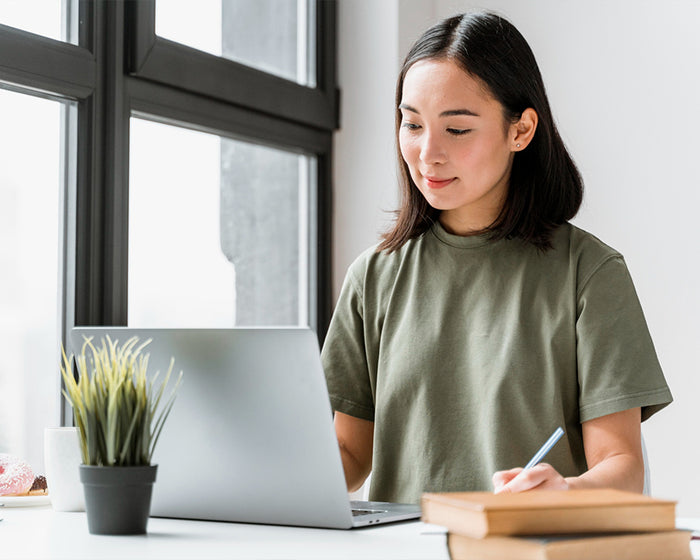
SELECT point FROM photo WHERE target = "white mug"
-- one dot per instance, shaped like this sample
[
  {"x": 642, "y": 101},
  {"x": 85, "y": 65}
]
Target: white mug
[{"x": 62, "y": 459}]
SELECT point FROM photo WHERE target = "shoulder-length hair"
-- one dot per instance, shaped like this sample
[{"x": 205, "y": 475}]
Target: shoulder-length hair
[{"x": 545, "y": 188}]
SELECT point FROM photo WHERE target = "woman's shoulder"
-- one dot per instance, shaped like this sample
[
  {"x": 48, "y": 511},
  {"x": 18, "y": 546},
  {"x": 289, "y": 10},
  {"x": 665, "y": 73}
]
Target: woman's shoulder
[
  {"x": 381, "y": 264},
  {"x": 584, "y": 251},
  {"x": 580, "y": 243}
]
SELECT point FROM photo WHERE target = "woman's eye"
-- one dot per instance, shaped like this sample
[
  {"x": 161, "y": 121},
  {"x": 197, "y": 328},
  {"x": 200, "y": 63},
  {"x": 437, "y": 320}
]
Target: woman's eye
[
  {"x": 410, "y": 126},
  {"x": 458, "y": 131}
]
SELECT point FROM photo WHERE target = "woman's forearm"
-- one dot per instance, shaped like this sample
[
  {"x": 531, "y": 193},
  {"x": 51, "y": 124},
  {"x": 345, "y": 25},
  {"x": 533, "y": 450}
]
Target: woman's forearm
[
  {"x": 622, "y": 471},
  {"x": 355, "y": 472}
]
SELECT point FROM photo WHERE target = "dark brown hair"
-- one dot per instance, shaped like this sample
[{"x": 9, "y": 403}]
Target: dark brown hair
[{"x": 545, "y": 188}]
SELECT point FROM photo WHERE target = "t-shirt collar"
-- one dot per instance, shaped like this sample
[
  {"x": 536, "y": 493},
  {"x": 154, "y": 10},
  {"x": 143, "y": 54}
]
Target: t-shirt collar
[{"x": 459, "y": 241}]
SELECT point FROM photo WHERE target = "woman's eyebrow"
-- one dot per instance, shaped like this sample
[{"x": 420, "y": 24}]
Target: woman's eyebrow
[
  {"x": 449, "y": 113},
  {"x": 453, "y": 112},
  {"x": 408, "y": 108}
]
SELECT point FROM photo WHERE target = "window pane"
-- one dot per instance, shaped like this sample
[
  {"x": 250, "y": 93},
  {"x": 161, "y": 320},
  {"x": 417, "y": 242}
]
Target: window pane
[
  {"x": 275, "y": 36},
  {"x": 42, "y": 17},
  {"x": 218, "y": 231},
  {"x": 30, "y": 148}
]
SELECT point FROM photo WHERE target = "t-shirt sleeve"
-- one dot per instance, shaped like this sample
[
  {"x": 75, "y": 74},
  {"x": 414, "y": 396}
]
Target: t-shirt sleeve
[
  {"x": 618, "y": 368},
  {"x": 344, "y": 355}
]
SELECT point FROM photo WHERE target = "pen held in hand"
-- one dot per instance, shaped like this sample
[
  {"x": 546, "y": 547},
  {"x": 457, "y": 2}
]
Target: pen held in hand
[{"x": 554, "y": 438}]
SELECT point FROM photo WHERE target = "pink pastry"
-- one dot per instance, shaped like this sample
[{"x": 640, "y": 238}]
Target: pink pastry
[{"x": 16, "y": 476}]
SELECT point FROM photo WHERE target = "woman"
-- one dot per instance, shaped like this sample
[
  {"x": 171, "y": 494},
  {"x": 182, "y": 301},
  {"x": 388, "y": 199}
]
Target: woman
[{"x": 484, "y": 320}]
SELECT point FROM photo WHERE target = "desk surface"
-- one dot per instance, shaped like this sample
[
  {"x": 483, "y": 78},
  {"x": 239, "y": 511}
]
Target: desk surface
[{"x": 39, "y": 532}]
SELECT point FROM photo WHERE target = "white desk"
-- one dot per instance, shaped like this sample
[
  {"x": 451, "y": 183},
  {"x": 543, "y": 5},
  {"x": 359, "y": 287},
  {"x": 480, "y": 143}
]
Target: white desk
[
  {"x": 41, "y": 533},
  {"x": 694, "y": 524}
]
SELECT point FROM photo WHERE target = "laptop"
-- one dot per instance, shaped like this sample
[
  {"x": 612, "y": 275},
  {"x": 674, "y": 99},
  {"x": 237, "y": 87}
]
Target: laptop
[{"x": 250, "y": 437}]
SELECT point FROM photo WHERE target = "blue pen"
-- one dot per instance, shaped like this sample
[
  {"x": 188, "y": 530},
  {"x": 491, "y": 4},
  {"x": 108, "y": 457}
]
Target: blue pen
[{"x": 554, "y": 438}]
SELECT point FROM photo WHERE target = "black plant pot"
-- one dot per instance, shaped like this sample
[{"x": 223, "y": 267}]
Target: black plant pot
[{"x": 117, "y": 499}]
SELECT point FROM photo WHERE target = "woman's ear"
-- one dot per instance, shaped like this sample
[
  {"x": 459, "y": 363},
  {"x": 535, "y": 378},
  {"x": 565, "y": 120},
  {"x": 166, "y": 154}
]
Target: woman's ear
[{"x": 522, "y": 131}]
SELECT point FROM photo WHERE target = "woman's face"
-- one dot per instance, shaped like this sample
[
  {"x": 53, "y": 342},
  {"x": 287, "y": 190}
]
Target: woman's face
[{"x": 456, "y": 143}]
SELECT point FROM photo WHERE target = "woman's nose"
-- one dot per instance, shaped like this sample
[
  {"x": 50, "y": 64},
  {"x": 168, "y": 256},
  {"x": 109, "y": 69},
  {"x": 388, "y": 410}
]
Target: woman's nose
[{"x": 432, "y": 150}]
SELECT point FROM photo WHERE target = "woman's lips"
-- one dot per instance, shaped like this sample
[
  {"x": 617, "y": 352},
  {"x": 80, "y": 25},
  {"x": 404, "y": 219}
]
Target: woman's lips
[{"x": 437, "y": 183}]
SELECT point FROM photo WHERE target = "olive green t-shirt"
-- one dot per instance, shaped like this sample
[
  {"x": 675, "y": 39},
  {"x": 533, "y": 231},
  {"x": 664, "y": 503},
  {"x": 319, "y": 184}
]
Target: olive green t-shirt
[{"x": 468, "y": 353}]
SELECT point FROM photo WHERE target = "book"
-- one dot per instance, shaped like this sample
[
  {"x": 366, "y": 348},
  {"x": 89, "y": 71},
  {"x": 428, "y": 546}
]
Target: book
[
  {"x": 543, "y": 512},
  {"x": 666, "y": 545}
]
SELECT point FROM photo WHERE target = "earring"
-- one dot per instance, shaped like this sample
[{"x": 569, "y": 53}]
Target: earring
[{"x": 517, "y": 145}]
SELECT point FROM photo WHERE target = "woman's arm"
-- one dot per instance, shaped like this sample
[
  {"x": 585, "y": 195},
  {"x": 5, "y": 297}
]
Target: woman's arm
[
  {"x": 613, "y": 450},
  {"x": 355, "y": 438}
]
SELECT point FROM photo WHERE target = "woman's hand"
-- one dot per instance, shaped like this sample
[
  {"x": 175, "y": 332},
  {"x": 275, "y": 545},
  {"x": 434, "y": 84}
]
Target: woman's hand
[
  {"x": 613, "y": 449},
  {"x": 540, "y": 477}
]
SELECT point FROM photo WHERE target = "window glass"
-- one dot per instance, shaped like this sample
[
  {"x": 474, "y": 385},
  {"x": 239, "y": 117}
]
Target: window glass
[
  {"x": 42, "y": 17},
  {"x": 219, "y": 231},
  {"x": 30, "y": 151},
  {"x": 276, "y": 36}
]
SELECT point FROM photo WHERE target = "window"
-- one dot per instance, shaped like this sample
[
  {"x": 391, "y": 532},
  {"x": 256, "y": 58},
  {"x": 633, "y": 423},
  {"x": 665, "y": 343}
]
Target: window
[
  {"x": 103, "y": 95},
  {"x": 29, "y": 259},
  {"x": 275, "y": 36},
  {"x": 268, "y": 121},
  {"x": 174, "y": 246},
  {"x": 41, "y": 79},
  {"x": 220, "y": 226},
  {"x": 48, "y": 18}
]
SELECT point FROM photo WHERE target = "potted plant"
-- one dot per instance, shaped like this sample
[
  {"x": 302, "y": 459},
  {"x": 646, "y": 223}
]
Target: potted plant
[{"x": 116, "y": 410}]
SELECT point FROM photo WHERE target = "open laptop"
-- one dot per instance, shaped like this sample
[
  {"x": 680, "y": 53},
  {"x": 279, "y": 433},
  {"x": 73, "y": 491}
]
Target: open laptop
[{"x": 250, "y": 437}]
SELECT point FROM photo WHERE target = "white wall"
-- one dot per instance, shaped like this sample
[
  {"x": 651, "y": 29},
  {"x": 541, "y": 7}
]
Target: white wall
[
  {"x": 623, "y": 83},
  {"x": 364, "y": 170}
]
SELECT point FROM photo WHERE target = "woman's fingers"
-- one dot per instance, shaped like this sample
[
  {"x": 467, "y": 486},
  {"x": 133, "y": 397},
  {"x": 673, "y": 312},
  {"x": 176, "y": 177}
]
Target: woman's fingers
[
  {"x": 541, "y": 477},
  {"x": 501, "y": 478}
]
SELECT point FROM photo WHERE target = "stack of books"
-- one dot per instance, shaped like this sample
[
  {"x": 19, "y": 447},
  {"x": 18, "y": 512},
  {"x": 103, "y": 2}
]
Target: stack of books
[{"x": 557, "y": 525}]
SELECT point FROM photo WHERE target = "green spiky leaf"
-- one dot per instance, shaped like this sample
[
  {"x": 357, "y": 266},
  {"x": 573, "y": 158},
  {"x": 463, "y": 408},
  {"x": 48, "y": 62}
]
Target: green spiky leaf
[{"x": 115, "y": 407}]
